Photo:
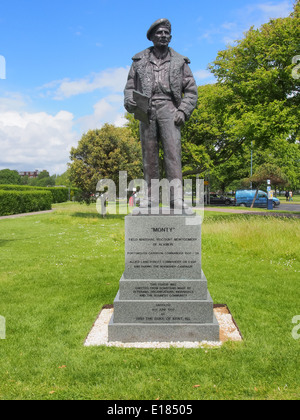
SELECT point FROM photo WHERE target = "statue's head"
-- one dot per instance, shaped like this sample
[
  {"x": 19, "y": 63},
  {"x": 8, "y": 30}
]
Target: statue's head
[{"x": 160, "y": 33}]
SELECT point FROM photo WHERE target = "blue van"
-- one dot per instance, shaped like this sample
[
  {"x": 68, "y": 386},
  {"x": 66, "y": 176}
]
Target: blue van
[{"x": 244, "y": 198}]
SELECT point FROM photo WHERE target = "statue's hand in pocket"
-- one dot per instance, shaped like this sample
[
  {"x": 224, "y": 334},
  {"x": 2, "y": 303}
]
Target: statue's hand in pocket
[{"x": 179, "y": 118}]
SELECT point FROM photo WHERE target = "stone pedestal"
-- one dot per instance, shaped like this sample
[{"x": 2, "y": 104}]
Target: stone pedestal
[{"x": 163, "y": 292}]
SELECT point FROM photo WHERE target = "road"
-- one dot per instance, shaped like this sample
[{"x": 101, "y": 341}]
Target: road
[
  {"x": 256, "y": 211},
  {"x": 238, "y": 209},
  {"x": 288, "y": 207}
]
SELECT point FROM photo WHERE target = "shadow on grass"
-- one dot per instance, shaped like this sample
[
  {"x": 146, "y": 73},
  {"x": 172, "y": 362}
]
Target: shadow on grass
[
  {"x": 4, "y": 242},
  {"x": 87, "y": 215}
]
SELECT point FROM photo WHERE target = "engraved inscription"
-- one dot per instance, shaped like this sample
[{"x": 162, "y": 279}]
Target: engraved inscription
[
  {"x": 157, "y": 290},
  {"x": 163, "y": 252}
]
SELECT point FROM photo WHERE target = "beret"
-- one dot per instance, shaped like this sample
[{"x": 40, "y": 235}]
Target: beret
[{"x": 154, "y": 25}]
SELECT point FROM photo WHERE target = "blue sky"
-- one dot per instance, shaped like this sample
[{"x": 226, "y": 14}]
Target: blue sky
[{"x": 67, "y": 62}]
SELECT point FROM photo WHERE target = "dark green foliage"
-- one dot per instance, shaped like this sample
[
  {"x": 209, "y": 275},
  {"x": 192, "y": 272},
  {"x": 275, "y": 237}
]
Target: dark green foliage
[
  {"x": 255, "y": 101},
  {"x": 9, "y": 177},
  {"x": 16, "y": 202},
  {"x": 42, "y": 180},
  {"x": 59, "y": 194},
  {"x": 102, "y": 154}
]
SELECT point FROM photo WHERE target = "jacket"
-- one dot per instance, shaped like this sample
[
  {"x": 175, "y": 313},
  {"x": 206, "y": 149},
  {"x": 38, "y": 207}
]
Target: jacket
[{"x": 182, "y": 83}]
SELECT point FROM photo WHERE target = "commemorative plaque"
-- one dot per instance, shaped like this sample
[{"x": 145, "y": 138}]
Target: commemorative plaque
[{"x": 163, "y": 293}]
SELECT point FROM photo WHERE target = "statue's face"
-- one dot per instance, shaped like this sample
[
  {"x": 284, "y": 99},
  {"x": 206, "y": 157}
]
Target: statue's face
[{"x": 161, "y": 37}]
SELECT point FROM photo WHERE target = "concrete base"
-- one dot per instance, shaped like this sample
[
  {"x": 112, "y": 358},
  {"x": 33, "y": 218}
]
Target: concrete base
[
  {"x": 162, "y": 312},
  {"x": 175, "y": 289},
  {"x": 163, "y": 294},
  {"x": 131, "y": 333}
]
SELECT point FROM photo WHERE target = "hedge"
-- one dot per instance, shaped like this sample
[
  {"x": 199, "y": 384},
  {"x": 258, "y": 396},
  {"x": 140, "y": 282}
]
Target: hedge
[
  {"x": 17, "y": 202},
  {"x": 59, "y": 194}
]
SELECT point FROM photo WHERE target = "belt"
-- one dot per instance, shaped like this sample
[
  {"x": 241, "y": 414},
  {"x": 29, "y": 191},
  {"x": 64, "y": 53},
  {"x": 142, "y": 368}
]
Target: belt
[{"x": 161, "y": 98}]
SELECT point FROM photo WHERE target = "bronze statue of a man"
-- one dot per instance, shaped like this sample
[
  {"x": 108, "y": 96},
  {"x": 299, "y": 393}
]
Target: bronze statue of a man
[{"x": 164, "y": 78}]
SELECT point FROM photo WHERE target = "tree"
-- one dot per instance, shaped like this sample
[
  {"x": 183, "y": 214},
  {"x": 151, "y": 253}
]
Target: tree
[
  {"x": 63, "y": 179},
  {"x": 42, "y": 175},
  {"x": 259, "y": 73},
  {"x": 268, "y": 172},
  {"x": 46, "y": 181},
  {"x": 133, "y": 125},
  {"x": 213, "y": 130},
  {"x": 282, "y": 154},
  {"x": 25, "y": 180},
  {"x": 254, "y": 101},
  {"x": 287, "y": 157},
  {"x": 42, "y": 180},
  {"x": 101, "y": 154},
  {"x": 225, "y": 175},
  {"x": 10, "y": 177}
]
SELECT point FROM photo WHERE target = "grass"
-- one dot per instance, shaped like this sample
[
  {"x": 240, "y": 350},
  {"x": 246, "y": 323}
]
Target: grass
[
  {"x": 296, "y": 200},
  {"x": 58, "y": 270}
]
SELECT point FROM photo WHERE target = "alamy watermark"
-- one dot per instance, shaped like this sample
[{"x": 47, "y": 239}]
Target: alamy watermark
[
  {"x": 2, "y": 328},
  {"x": 2, "y": 67},
  {"x": 172, "y": 195},
  {"x": 296, "y": 69},
  {"x": 296, "y": 329}
]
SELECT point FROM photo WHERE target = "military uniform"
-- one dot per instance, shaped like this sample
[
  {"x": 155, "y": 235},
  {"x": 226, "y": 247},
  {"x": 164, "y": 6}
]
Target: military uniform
[
  {"x": 164, "y": 82},
  {"x": 169, "y": 84}
]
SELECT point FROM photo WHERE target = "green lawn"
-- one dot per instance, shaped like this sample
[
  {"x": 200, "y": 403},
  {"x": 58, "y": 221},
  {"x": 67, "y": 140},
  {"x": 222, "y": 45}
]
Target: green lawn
[
  {"x": 296, "y": 199},
  {"x": 58, "y": 270}
]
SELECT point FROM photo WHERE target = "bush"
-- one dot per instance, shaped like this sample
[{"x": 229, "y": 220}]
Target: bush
[
  {"x": 7, "y": 187},
  {"x": 75, "y": 194},
  {"x": 9, "y": 177},
  {"x": 59, "y": 194},
  {"x": 17, "y": 202}
]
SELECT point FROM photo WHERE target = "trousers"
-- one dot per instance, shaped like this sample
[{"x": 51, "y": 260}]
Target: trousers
[{"x": 161, "y": 130}]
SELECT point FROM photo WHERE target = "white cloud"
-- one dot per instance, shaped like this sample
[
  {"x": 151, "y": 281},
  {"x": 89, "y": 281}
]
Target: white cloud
[
  {"x": 112, "y": 79},
  {"x": 12, "y": 101},
  {"x": 39, "y": 140},
  {"x": 108, "y": 110},
  {"x": 273, "y": 10},
  {"x": 229, "y": 25},
  {"x": 2, "y": 67},
  {"x": 36, "y": 140},
  {"x": 260, "y": 13},
  {"x": 204, "y": 76},
  {"x": 252, "y": 14}
]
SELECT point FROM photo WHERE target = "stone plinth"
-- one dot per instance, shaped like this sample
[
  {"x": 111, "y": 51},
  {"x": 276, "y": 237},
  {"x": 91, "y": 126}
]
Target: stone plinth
[
  {"x": 163, "y": 292},
  {"x": 160, "y": 289},
  {"x": 162, "y": 247}
]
